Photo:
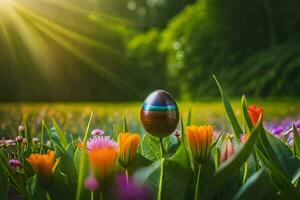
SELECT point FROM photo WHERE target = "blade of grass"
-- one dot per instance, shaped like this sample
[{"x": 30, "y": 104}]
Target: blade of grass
[
  {"x": 125, "y": 127},
  {"x": 61, "y": 134},
  {"x": 296, "y": 141},
  {"x": 245, "y": 113},
  {"x": 237, "y": 130},
  {"x": 82, "y": 167}
]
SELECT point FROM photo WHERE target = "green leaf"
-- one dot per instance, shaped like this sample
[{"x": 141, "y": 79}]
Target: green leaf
[
  {"x": 232, "y": 118},
  {"x": 280, "y": 179},
  {"x": 258, "y": 186},
  {"x": 139, "y": 162},
  {"x": 277, "y": 157},
  {"x": 3, "y": 183},
  {"x": 27, "y": 134},
  {"x": 189, "y": 118},
  {"x": 150, "y": 147},
  {"x": 246, "y": 114},
  {"x": 181, "y": 156},
  {"x": 61, "y": 135},
  {"x": 287, "y": 161},
  {"x": 125, "y": 127},
  {"x": 228, "y": 168},
  {"x": 58, "y": 188},
  {"x": 34, "y": 189},
  {"x": 67, "y": 166},
  {"x": 174, "y": 179},
  {"x": 83, "y": 159},
  {"x": 42, "y": 138},
  {"x": 296, "y": 142}
]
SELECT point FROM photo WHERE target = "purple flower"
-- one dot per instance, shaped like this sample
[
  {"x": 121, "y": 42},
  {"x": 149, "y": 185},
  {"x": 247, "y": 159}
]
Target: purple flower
[
  {"x": 98, "y": 142},
  {"x": 290, "y": 139},
  {"x": 14, "y": 163},
  {"x": 129, "y": 190},
  {"x": 97, "y": 132},
  {"x": 91, "y": 183},
  {"x": 277, "y": 130},
  {"x": 297, "y": 124}
]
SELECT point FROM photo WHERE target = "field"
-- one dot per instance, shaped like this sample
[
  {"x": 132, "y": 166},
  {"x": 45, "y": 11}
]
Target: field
[
  {"x": 91, "y": 150},
  {"x": 73, "y": 117}
]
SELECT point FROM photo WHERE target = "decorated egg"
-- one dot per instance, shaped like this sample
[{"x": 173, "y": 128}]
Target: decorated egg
[{"x": 159, "y": 114}]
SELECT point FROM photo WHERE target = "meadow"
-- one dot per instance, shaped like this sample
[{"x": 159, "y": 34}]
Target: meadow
[{"x": 73, "y": 116}]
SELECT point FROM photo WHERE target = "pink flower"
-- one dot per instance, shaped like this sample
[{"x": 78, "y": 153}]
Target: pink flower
[
  {"x": 99, "y": 142},
  {"x": 97, "y": 132},
  {"x": 91, "y": 183}
]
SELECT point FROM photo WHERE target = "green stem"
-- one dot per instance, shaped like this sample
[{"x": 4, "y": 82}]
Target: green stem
[
  {"x": 101, "y": 195},
  {"x": 92, "y": 195},
  {"x": 126, "y": 176},
  {"x": 161, "y": 170},
  {"x": 245, "y": 172},
  {"x": 48, "y": 196},
  {"x": 162, "y": 149},
  {"x": 196, "y": 197},
  {"x": 160, "y": 179}
]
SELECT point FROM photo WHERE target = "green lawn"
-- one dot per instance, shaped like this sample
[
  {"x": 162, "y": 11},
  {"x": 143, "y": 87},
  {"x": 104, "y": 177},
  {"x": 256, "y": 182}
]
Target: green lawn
[{"x": 74, "y": 116}]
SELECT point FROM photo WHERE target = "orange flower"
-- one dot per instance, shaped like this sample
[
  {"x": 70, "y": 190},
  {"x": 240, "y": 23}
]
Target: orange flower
[
  {"x": 102, "y": 161},
  {"x": 200, "y": 139},
  {"x": 128, "y": 144},
  {"x": 255, "y": 112},
  {"x": 79, "y": 145},
  {"x": 44, "y": 166}
]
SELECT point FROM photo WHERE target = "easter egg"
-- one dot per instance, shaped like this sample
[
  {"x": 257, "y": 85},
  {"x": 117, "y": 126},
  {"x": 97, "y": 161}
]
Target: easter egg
[{"x": 159, "y": 114}]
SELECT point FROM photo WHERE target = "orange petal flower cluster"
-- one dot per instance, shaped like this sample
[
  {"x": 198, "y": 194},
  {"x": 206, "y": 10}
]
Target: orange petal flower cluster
[
  {"x": 200, "y": 139},
  {"x": 128, "y": 144},
  {"x": 44, "y": 166},
  {"x": 255, "y": 112}
]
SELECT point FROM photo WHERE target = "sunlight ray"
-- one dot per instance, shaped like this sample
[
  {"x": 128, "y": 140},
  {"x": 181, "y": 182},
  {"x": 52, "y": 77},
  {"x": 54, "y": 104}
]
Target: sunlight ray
[
  {"x": 66, "y": 32},
  {"x": 96, "y": 67}
]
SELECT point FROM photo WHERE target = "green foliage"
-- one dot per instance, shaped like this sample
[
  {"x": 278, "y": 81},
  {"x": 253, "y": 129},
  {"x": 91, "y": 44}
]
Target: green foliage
[
  {"x": 227, "y": 169},
  {"x": 258, "y": 186},
  {"x": 236, "y": 41},
  {"x": 145, "y": 58}
]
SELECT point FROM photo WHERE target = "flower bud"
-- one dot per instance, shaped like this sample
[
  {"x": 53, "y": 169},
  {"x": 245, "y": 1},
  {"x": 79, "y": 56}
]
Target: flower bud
[
  {"x": 91, "y": 183},
  {"x": 97, "y": 132},
  {"x": 19, "y": 139},
  {"x": 227, "y": 149},
  {"x": 21, "y": 128}
]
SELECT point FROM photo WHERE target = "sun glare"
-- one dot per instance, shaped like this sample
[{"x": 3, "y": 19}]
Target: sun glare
[{"x": 4, "y": 3}]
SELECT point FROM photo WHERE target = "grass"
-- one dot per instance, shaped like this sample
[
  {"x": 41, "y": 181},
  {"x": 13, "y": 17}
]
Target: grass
[{"x": 73, "y": 117}]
